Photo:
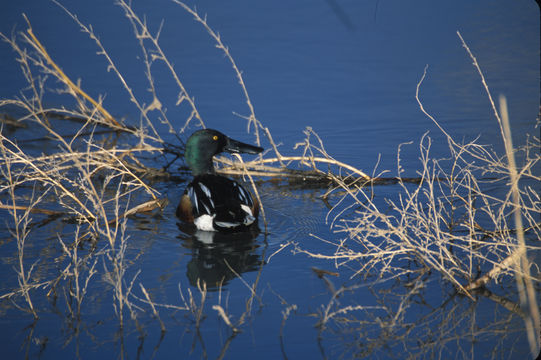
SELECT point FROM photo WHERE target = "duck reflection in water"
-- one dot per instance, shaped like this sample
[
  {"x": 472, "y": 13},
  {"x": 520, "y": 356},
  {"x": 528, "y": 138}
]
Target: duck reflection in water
[{"x": 219, "y": 257}]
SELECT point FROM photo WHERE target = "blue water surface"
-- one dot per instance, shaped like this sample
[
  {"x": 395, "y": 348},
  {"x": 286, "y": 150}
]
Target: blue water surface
[{"x": 347, "y": 69}]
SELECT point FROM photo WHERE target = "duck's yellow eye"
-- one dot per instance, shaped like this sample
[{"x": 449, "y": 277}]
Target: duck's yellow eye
[{"x": 215, "y": 137}]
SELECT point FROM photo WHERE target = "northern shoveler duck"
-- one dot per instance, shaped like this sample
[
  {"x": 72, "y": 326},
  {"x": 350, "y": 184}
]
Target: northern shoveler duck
[{"x": 213, "y": 202}]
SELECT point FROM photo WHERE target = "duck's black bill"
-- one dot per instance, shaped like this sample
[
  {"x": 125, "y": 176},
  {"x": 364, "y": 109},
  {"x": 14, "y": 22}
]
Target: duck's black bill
[{"x": 235, "y": 146}]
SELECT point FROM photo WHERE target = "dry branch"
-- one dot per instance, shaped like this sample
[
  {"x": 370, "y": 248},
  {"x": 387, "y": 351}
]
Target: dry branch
[{"x": 62, "y": 76}]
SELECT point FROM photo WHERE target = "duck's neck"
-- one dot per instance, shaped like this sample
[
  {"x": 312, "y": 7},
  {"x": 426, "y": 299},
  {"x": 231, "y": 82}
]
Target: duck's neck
[
  {"x": 198, "y": 165},
  {"x": 202, "y": 167}
]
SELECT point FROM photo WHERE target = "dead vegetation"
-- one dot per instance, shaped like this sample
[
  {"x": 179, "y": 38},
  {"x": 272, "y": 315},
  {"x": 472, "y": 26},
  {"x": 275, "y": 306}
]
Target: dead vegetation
[
  {"x": 95, "y": 166},
  {"x": 445, "y": 220},
  {"x": 449, "y": 221}
]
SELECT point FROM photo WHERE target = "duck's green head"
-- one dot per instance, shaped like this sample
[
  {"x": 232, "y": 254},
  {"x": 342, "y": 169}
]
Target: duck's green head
[{"x": 204, "y": 144}]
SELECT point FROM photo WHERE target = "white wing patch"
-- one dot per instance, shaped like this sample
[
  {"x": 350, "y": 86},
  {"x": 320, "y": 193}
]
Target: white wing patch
[
  {"x": 246, "y": 209},
  {"x": 207, "y": 192},
  {"x": 243, "y": 196},
  {"x": 249, "y": 218},
  {"x": 228, "y": 225},
  {"x": 204, "y": 222}
]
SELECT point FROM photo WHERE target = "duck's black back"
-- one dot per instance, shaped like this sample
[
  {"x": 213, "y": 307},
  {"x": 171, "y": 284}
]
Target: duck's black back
[{"x": 220, "y": 198}]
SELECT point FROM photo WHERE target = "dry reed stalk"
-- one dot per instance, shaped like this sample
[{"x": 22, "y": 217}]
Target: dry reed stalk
[
  {"x": 254, "y": 188},
  {"x": 20, "y": 233},
  {"x": 522, "y": 265},
  {"x": 73, "y": 271},
  {"x": 309, "y": 161},
  {"x": 62, "y": 76},
  {"x": 142, "y": 34},
  {"x": 312, "y": 155},
  {"x": 518, "y": 258},
  {"x": 195, "y": 309},
  {"x": 220, "y": 45},
  {"x": 224, "y": 316},
  {"x": 15, "y": 153},
  {"x": 154, "y": 311},
  {"x": 155, "y": 104},
  {"x": 31, "y": 209},
  {"x": 441, "y": 222}
]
